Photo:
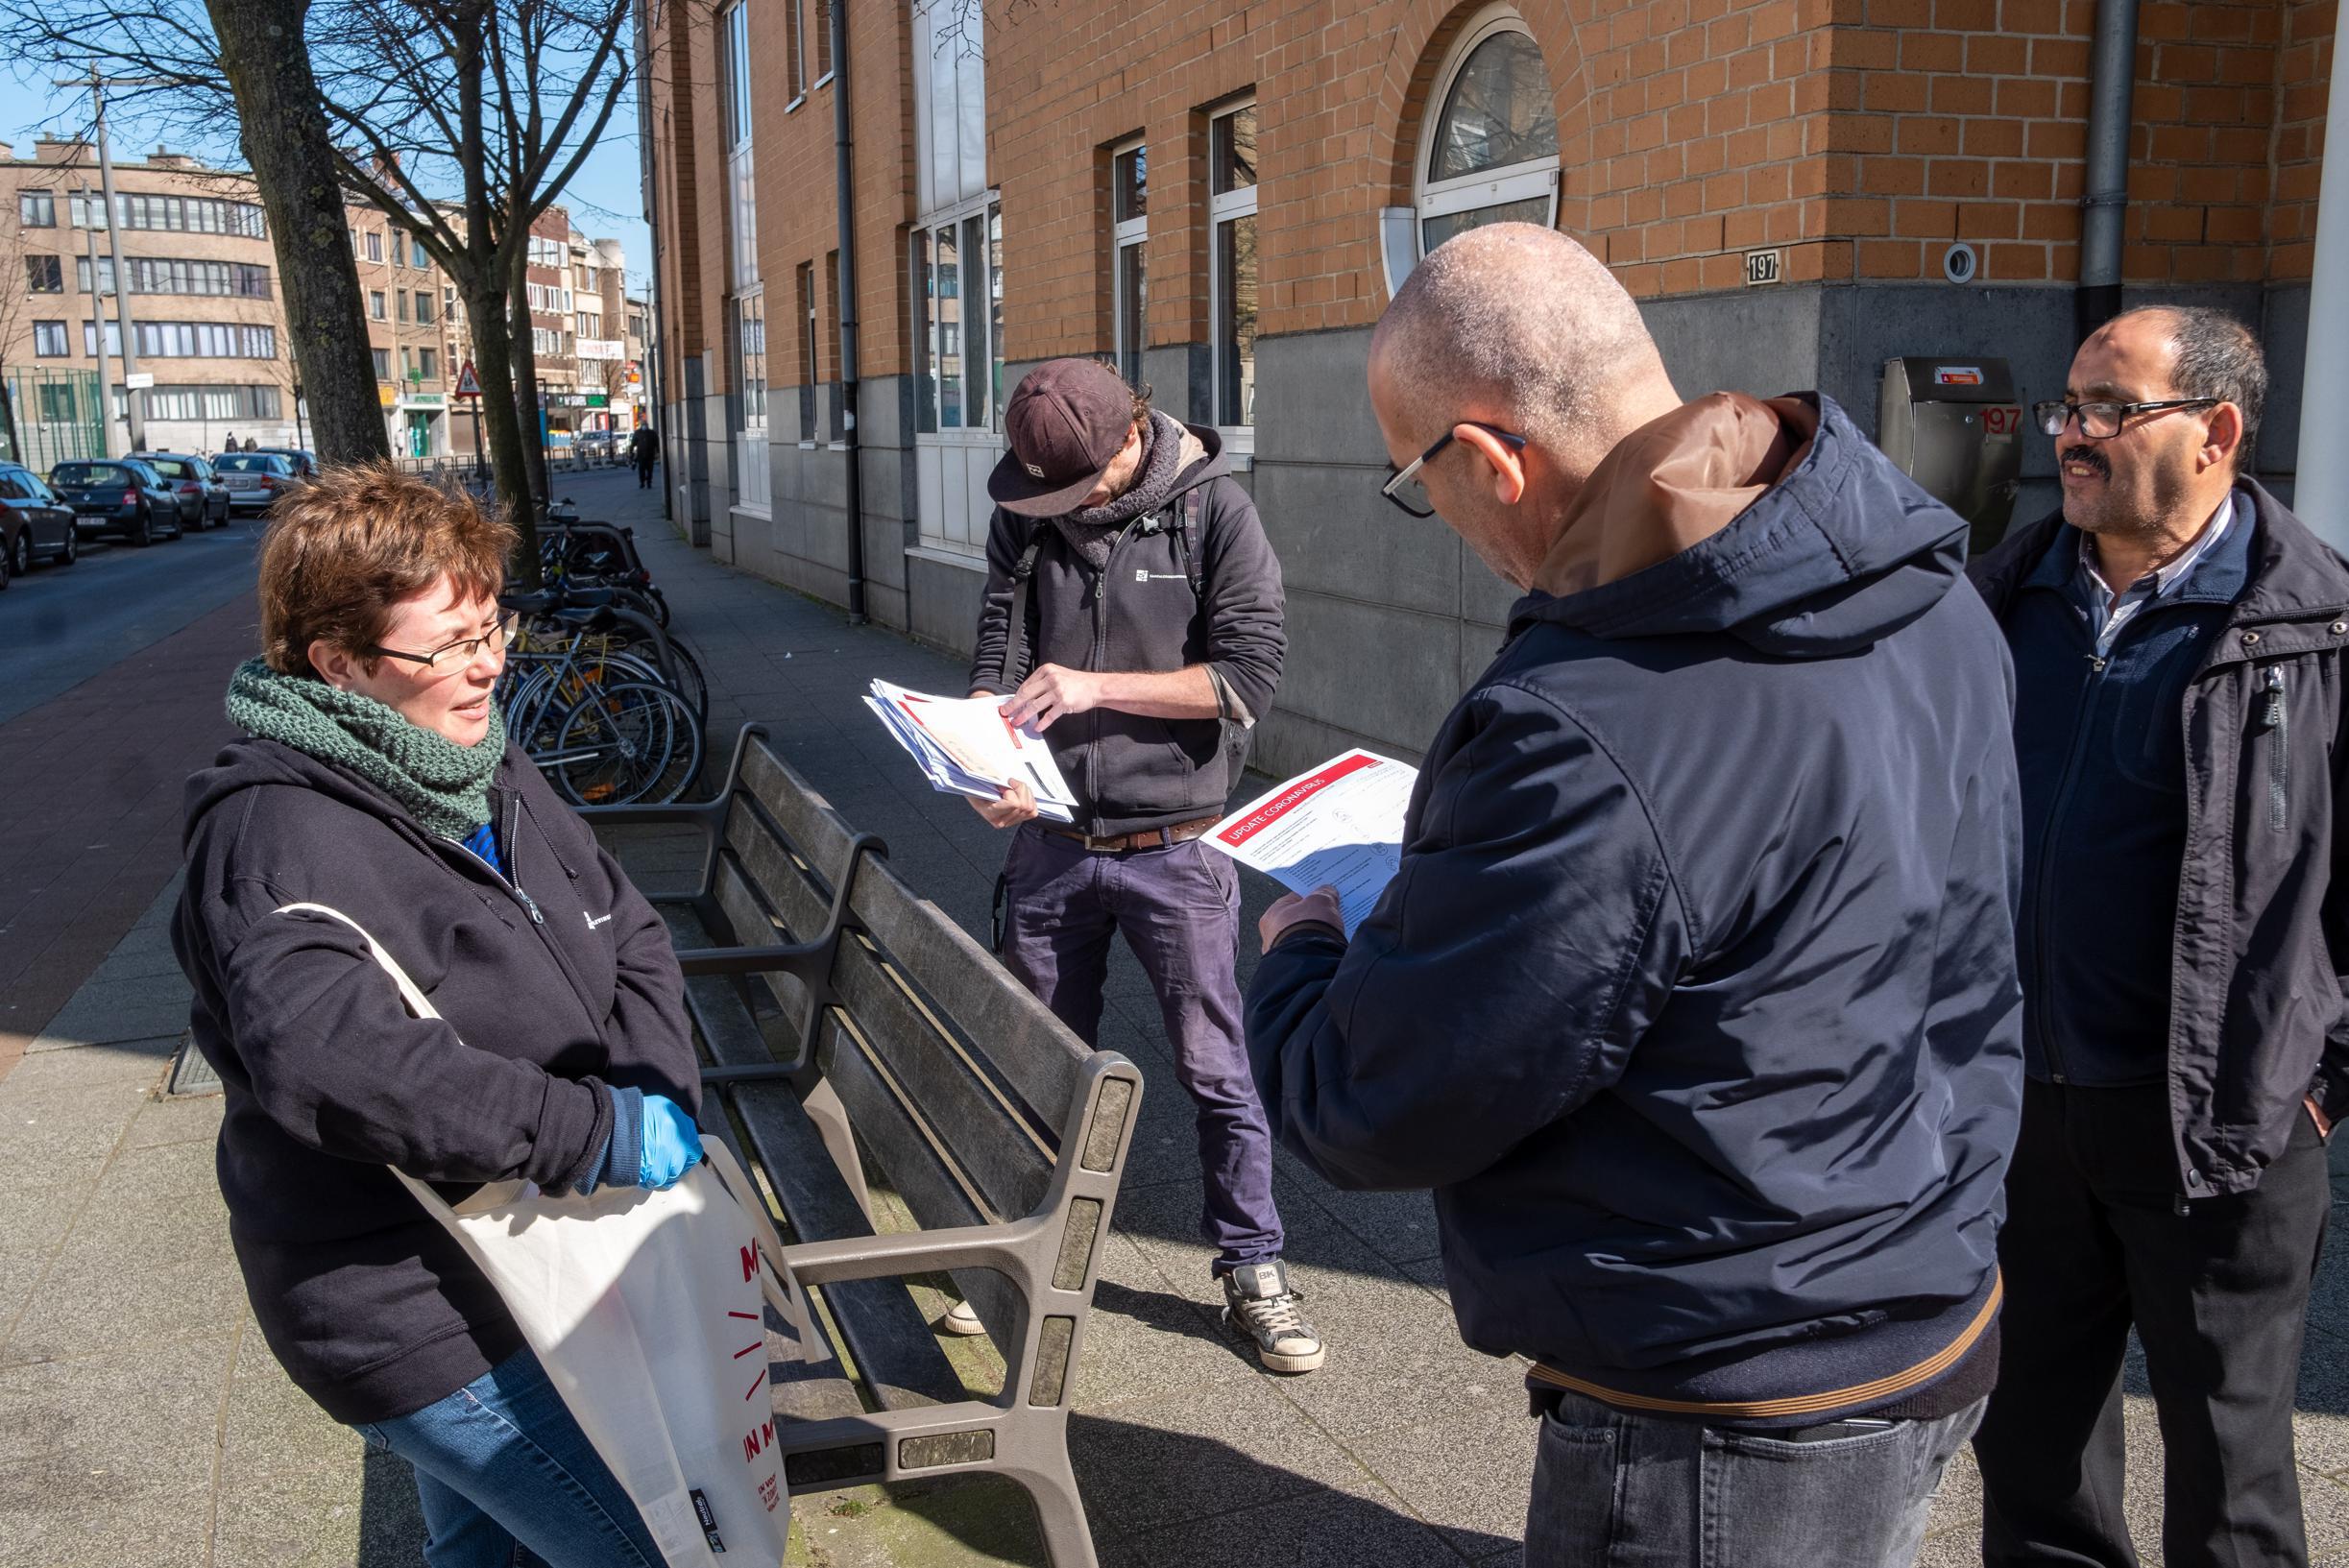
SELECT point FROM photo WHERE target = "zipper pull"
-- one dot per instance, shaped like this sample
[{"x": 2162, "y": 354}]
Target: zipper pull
[
  {"x": 2096, "y": 664},
  {"x": 530, "y": 903},
  {"x": 2271, "y": 682}
]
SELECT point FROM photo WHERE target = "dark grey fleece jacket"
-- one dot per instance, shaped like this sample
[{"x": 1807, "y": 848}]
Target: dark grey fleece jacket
[
  {"x": 1131, "y": 772},
  {"x": 554, "y": 981}
]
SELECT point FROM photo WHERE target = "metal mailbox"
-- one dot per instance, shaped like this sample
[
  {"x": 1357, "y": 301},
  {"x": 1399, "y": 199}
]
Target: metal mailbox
[{"x": 1955, "y": 427}]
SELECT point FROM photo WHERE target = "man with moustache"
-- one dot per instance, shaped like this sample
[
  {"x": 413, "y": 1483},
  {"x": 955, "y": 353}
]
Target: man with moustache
[
  {"x": 2178, "y": 638},
  {"x": 1693, "y": 997}
]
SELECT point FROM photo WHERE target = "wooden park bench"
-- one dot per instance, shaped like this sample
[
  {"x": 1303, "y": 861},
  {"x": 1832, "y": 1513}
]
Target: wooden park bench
[{"x": 847, "y": 1024}]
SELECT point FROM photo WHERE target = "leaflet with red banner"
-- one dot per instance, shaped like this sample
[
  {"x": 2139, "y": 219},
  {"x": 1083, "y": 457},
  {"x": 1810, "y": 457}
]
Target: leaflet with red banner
[{"x": 1339, "y": 825}]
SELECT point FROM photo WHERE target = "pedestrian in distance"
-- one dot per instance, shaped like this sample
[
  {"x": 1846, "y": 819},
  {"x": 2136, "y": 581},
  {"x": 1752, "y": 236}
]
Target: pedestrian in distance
[
  {"x": 377, "y": 780},
  {"x": 1693, "y": 997},
  {"x": 1133, "y": 615},
  {"x": 2178, "y": 640},
  {"x": 644, "y": 451}
]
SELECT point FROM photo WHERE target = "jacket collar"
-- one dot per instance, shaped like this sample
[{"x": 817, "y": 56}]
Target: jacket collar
[{"x": 2292, "y": 574}]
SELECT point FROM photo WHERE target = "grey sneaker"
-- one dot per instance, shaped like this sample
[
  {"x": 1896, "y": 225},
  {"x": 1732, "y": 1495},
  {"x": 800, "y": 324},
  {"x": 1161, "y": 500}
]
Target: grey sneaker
[
  {"x": 960, "y": 1320},
  {"x": 1258, "y": 1303}
]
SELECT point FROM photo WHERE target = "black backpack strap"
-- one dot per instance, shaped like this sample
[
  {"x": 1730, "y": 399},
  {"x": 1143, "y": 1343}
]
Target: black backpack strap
[
  {"x": 1187, "y": 544},
  {"x": 1015, "y": 630}
]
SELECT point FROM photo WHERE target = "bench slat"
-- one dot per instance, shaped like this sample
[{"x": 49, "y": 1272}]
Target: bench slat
[
  {"x": 806, "y": 819},
  {"x": 896, "y": 1351},
  {"x": 1036, "y": 1054},
  {"x": 783, "y": 884},
  {"x": 1002, "y": 1157},
  {"x": 753, "y": 927}
]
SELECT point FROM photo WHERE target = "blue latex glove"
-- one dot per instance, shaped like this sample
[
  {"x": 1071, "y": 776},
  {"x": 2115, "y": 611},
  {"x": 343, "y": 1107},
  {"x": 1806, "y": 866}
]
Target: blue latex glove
[{"x": 672, "y": 1143}]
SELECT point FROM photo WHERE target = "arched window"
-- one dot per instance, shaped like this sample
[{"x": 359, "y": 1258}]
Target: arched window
[{"x": 1490, "y": 152}]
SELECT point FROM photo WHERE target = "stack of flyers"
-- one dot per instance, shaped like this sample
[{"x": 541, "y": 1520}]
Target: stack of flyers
[{"x": 965, "y": 746}]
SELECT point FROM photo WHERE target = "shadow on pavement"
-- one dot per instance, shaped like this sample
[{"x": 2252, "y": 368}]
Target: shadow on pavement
[{"x": 391, "y": 1521}]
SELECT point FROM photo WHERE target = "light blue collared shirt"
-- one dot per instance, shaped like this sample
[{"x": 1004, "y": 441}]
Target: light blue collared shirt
[{"x": 2108, "y": 611}]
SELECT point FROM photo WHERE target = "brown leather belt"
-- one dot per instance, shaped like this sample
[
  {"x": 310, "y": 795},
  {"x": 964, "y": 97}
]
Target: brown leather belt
[{"x": 1148, "y": 838}]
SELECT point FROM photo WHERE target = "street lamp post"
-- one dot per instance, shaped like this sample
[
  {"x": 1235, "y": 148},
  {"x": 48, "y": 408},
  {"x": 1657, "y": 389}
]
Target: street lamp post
[
  {"x": 97, "y": 85},
  {"x": 301, "y": 442}
]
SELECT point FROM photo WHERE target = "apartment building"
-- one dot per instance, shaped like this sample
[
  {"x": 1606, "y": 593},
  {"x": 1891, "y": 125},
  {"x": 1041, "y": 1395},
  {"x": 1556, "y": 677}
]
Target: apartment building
[
  {"x": 206, "y": 323},
  {"x": 1221, "y": 198},
  {"x": 206, "y": 316}
]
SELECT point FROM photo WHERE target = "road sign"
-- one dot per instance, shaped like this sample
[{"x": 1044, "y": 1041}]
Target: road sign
[
  {"x": 138, "y": 381},
  {"x": 468, "y": 385}
]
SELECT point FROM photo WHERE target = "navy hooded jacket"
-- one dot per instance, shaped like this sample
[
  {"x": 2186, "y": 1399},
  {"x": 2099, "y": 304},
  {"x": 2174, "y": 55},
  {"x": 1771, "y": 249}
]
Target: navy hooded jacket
[{"x": 1694, "y": 998}]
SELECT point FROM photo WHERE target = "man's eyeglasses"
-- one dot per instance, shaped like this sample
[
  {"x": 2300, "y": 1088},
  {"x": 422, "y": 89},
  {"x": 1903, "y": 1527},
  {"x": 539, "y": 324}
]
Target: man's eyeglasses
[
  {"x": 2102, "y": 420},
  {"x": 1403, "y": 486},
  {"x": 456, "y": 655}
]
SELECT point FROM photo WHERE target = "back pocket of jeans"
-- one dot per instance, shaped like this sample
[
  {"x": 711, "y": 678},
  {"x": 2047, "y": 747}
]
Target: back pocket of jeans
[{"x": 1571, "y": 1522}]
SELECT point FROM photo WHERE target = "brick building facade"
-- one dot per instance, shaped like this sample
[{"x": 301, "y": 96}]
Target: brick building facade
[
  {"x": 208, "y": 320},
  {"x": 1220, "y": 194}
]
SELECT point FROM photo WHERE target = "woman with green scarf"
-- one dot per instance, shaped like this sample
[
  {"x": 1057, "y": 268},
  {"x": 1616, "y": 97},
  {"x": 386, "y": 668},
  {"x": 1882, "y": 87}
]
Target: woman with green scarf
[{"x": 379, "y": 780}]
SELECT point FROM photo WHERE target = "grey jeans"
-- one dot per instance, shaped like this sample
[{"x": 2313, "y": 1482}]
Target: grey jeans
[{"x": 1634, "y": 1491}]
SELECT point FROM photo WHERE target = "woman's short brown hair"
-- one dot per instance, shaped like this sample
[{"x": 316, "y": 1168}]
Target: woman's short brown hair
[{"x": 342, "y": 550}]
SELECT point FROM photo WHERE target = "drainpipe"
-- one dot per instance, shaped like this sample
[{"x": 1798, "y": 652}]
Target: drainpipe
[
  {"x": 854, "y": 492},
  {"x": 2111, "y": 80},
  {"x": 2320, "y": 486}
]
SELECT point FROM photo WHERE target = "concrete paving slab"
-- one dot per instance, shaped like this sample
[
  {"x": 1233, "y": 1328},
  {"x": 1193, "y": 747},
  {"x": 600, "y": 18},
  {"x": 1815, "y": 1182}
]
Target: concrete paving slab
[
  {"x": 150, "y": 1254},
  {"x": 1321, "y": 1530},
  {"x": 140, "y": 1062},
  {"x": 49, "y": 1136},
  {"x": 130, "y": 1009},
  {"x": 1244, "y": 1447}
]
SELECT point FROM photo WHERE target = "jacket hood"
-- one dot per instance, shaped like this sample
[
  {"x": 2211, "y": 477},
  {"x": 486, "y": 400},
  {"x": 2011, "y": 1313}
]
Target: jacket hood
[
  {"x": 1212, "y": 462},
  {"x": 250, "y": 763},
  {"x": 1837, "y": 551}
]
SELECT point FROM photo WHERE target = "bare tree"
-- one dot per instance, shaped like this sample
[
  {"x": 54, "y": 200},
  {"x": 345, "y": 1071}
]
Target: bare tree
[{"x": 460, "y": 120}]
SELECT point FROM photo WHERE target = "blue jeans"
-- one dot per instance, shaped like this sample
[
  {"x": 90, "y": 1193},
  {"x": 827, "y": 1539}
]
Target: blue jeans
[
  {"x": 507, "y": 1478},
  {"x": 1613, "y": 1490},
  {"x": 1179, "y": 908}
]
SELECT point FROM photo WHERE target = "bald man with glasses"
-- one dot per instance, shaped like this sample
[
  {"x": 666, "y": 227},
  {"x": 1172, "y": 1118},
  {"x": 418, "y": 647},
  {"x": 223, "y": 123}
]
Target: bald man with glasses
[{"x": 2177, "y": 638}]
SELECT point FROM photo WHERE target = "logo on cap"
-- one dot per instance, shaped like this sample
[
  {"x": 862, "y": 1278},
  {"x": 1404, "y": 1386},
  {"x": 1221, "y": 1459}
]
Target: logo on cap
[{"x": 1036, "y": 468}]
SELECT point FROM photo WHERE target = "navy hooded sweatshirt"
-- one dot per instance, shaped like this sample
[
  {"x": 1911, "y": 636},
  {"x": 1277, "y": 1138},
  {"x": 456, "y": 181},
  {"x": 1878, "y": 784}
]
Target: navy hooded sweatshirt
[{"x": 1694, "y": 998}]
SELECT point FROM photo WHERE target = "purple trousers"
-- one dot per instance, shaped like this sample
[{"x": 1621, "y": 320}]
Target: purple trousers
[{"x": 1179, "y": 907}]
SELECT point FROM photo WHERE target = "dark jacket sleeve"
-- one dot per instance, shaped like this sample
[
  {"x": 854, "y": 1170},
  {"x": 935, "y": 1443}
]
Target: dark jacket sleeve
[
  {"x": 648, "y": 1016},
  {"x": 2330, "y": 1088},
  {"x": 338, "y": 1062},
  {"x": 1006, "y": 537},
  {"x": 1247, "y": 638},
  {"x": 1530, "y": 937}
]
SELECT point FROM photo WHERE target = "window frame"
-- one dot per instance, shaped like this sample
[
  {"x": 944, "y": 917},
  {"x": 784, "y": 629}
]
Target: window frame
[
  {"x": 929, "y": 336},
  {"x": 54, "y": 334},
  {"x": 1523, "y": 181},
  {"x": 30, "y": 201},
  {"x": 1129, "y": 234},
  {"x": 52, "y": 272},
  {"x": 1225, "y": 208}
]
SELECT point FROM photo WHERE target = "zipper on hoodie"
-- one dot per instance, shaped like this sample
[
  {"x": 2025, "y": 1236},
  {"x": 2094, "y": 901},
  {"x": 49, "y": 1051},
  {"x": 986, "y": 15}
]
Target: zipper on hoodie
[
  {"x": 531, "y": 906},
  {"x": 2276, "y": 719},
  {"x": 2090, "y": 688},
  {"x": 1101, "y": 640}
]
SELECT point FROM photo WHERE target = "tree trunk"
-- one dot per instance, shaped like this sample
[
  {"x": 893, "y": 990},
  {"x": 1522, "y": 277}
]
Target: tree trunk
[
  {"x": 493, "y": 365},
  {"x": 284, "y": 132},
  {"x": 526, "y": 372}
]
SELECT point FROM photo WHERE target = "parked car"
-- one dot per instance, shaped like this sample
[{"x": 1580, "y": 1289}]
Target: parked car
[
  {"x": 35, "y": 525},
  {"x": 306, "y": 464},
  {"x": 121, "y": 496},
  {"x": 596, "y": 446},
  {"x": 254, "y": 479},
  {"x": 203, "y": 500}
]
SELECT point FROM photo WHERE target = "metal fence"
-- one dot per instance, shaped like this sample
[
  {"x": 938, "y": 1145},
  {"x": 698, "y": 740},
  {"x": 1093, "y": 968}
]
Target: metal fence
[{"x": 58, "y": 416}]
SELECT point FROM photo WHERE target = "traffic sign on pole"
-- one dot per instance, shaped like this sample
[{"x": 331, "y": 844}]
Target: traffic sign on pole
[{"x": 468, "y": 385}]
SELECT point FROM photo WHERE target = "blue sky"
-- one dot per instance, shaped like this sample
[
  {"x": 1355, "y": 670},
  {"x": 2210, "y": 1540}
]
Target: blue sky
[{"x": 604, "y": 199}]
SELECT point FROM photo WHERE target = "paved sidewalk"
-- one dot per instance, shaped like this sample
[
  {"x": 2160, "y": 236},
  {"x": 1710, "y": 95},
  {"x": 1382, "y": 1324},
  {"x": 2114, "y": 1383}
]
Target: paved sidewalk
[
  {"x": 93, "y": 809},
  {"x": 148, "y": 1425}
]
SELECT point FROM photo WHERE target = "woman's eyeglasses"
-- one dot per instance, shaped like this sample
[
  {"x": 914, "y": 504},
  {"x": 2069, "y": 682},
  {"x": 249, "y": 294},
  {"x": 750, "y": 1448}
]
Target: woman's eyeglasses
[
  {"x": 1403, "y": 486},
  {"x": 458, "y": 653}
]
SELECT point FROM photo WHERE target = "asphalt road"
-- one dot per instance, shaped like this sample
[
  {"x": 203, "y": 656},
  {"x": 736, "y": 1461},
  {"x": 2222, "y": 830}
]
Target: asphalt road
[{"x": 60, "y": 625}]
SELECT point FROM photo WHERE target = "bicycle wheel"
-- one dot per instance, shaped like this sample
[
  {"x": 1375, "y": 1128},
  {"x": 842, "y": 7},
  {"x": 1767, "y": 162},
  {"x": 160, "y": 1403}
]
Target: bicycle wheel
[{"x": 629, "y": 742}]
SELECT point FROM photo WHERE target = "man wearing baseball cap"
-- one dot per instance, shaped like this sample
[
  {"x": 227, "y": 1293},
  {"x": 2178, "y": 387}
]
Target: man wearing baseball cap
[{"x": 1133, "y": 615}]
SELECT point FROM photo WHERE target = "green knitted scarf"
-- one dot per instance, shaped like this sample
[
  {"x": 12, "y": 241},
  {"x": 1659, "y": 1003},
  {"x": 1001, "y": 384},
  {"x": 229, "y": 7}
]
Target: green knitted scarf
[{"x": 445, "y": 786}]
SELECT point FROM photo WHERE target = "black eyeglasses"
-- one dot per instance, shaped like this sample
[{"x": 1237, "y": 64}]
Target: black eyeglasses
[
  {"x": 2102, "y": 420},
  {"x": 458, "y": 653},
  {"x": 1403, "y": 486}
]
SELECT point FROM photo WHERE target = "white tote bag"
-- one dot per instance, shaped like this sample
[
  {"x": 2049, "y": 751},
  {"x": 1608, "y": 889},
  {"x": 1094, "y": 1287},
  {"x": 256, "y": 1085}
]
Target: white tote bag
[{"x": 645, "y": 1309}]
